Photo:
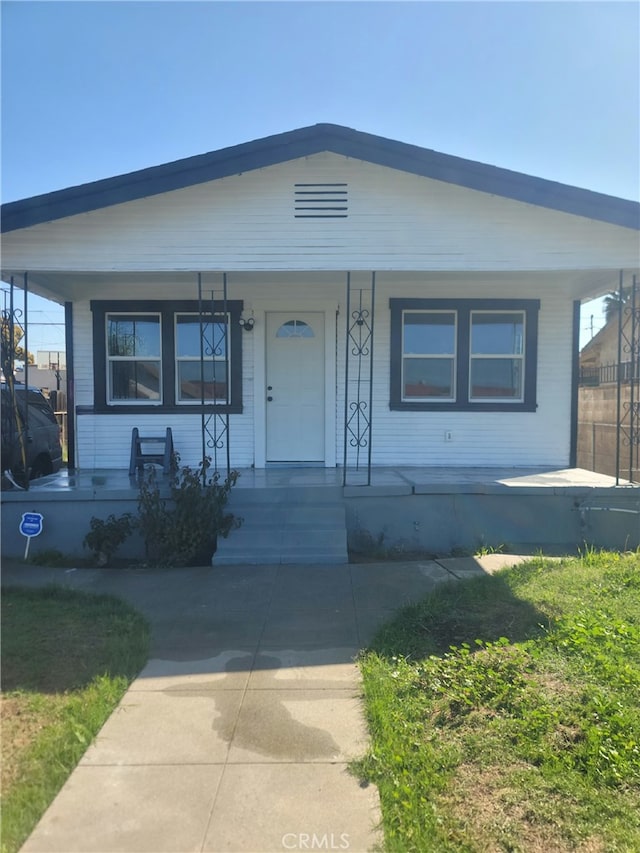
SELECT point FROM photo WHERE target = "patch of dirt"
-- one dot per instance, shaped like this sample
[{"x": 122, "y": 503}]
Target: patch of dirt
[
  {"x": 22, "y": 723},
  {"x": 501, "y": 816},
  {"x": 558, "y": 684}
]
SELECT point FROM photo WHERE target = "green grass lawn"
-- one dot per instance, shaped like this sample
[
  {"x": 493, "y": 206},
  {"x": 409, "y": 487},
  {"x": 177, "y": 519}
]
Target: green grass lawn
[
  {"x": 505, "y": 712},
  {"x": 67, "y": 659}
]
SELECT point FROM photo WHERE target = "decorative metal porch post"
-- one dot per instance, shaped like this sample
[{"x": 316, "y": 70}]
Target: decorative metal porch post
[
  {"x": 629, "y": 373},
  {"x": 358, "y": 382},
  {"x": 18, "y": 422},
  {"x": 215, "y": 341}
]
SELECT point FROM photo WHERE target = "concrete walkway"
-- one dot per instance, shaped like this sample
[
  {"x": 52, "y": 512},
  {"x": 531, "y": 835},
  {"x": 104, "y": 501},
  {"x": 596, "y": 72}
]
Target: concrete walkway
[{"x": 237, "y": 734}]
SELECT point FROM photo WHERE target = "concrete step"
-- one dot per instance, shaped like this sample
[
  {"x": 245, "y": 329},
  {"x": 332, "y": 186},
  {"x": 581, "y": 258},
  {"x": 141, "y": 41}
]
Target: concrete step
[
  {"x": 279, "y": 517},
  {"x": 279, "y": 557},
  {"x": 280, "y": 532},
  {"x": 286, "y": 495}
]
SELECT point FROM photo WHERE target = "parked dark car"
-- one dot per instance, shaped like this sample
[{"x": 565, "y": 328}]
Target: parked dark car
[{"x": 31, "y": 437}]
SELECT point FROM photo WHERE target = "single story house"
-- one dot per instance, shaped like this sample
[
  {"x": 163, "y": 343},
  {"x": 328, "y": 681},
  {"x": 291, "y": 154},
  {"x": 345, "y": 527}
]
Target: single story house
[{"x": 329, "y": 297}]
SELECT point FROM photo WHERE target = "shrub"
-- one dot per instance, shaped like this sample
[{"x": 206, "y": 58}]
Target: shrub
[
  {"x": 105, "y": 537},
  {"x": 49, "y": 557},
  {"x": 179, "y": 528},
  {"x": 182, "y": 530}
]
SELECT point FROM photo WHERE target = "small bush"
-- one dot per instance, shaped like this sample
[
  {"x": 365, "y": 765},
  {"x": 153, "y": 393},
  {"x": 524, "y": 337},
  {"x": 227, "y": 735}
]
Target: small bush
[
  {"x": 182, "y": 530},
  {"x": 105, "y": 537},
  {"x": 49, "y": 557},
  {"x": 179, "y": 529}
]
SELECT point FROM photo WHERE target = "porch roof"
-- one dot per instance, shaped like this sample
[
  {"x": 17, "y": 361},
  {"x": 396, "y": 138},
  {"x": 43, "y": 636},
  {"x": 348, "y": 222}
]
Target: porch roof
[{"x": 307, "y": 141}]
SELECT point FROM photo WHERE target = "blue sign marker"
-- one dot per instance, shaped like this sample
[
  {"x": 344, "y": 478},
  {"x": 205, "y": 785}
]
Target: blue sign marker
[{"x": 31, "y": 525}]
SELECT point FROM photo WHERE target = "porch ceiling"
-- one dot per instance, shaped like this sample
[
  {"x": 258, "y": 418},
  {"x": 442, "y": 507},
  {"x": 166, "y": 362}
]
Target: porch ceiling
[{"x": 61, "y": 286}]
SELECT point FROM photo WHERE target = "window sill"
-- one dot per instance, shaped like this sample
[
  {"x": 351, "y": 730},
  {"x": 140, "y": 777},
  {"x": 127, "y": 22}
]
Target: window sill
[
  {"x": 158, "y": 410},
  {"x": 462, "y": 407}
]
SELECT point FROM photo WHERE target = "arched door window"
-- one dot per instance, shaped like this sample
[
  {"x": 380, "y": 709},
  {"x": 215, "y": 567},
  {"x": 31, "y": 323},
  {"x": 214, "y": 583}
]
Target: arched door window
[{"x": 295, "y": 329}]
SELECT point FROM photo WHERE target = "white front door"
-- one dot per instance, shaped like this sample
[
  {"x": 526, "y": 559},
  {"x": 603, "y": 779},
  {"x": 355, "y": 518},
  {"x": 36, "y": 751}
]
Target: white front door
[{"x": 295, "y": 387}]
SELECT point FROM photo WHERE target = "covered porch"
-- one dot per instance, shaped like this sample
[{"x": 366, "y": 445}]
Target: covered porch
[{"x": 359, "y": 407}]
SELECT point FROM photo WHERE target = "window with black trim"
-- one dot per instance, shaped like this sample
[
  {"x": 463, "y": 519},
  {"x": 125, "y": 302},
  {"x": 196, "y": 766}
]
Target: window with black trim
[
  {"x": 496, "y": 356},
  {"x": 134, "y": 372},
  {"x": 201, "y": 358},
  {"x": 466, "y": 354},
  {"x": 429, "y": 355},
  {"x": 166, "y": 356}
]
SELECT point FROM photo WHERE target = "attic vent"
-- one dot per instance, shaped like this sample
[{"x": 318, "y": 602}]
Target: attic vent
[{"x": 321, "y": 201}]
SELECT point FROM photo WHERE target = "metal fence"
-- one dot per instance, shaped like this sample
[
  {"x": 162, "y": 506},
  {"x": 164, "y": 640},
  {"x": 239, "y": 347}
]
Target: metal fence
[
  {"x": 606, "y": 373},
  {"x": 597, "y": 451}
]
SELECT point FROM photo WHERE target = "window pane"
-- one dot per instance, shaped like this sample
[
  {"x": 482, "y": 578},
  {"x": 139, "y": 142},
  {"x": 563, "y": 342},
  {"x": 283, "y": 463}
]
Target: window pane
[
  {"x": 295, "y": 329},
  {"x": 188, "y": 337},
  {"x": 134, "y": 380},
  {"x": 429, "y": 333},
  {"x": 134, "y": 336},
  {"x": 428, "y": 377},
  {"x": 190, "y": 381},
  {"x": 496, "y": 377},
  {"x": 495, "y": 333}
]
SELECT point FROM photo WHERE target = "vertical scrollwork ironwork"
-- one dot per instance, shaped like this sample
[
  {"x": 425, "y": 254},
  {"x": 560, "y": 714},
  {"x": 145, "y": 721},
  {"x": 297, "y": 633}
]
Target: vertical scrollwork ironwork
[
  {"x": 358, "y": 384},
  {"x": 14, "y": 329},
  {"x": 628, "y": 437},
  {"x": 214, "y": 350}
]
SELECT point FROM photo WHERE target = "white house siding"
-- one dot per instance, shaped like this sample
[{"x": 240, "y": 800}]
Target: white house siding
[
  {"x": 480, "y": 438},
  {"x": 104, "y": 441},
  {"x": 396, "y": 221},
  {"x": 399, "y": 438}
]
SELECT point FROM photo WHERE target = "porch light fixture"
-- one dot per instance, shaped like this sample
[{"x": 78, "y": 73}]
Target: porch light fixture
[{"x": 247, "y": 324}]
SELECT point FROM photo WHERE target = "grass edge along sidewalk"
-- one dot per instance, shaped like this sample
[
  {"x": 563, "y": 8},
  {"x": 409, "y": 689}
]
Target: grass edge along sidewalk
[
  {"x": 503, "y": 711},
  {"x": 67, "y": 660}
]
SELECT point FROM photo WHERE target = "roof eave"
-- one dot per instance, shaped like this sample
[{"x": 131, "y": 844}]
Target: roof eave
[{"x": 305, "y": 142}]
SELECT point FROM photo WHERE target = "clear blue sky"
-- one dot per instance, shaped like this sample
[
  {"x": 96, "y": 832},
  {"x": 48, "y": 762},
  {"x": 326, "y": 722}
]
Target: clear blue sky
[{"x": 93, "y": 89}]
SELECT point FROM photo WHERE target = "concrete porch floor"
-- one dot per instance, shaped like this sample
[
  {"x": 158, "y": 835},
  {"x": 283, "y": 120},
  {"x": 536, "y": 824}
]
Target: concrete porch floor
[{"x": 416, "y": 478}]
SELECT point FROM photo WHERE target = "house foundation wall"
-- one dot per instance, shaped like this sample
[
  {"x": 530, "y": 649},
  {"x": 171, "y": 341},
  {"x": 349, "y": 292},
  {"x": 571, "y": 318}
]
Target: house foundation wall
[
  {"x": 445, "y": 523},
  {"x": 436, "y": 523}
]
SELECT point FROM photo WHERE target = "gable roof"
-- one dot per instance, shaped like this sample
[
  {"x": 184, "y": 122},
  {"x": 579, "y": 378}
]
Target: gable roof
[{"x": 304, "y": 142}]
